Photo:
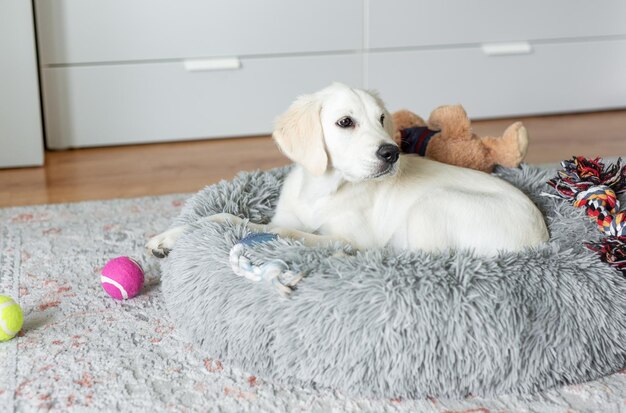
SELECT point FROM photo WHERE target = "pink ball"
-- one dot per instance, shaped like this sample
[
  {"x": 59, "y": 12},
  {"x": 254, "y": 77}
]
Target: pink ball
[{"x": 122, "y": 278}]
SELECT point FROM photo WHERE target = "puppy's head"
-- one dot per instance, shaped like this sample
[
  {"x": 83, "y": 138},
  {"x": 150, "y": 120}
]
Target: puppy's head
[{"x": 339, "y": 128}]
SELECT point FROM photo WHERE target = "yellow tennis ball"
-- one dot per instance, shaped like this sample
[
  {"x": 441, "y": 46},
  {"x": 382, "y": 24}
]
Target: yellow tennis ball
[{"x": 11, "y": 318}]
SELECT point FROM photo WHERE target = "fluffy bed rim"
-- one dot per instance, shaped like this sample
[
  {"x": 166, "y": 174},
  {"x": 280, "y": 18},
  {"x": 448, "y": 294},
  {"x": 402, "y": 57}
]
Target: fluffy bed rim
[{"x": 412, "y": 325}]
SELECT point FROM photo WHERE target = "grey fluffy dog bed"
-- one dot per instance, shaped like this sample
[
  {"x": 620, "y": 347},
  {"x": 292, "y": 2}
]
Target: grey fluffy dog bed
[{"x": 413, "y": 324}]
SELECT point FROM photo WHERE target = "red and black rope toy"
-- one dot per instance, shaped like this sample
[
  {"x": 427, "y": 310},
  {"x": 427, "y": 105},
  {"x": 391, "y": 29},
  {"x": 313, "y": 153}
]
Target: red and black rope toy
[{"x": 594, "y": 186}]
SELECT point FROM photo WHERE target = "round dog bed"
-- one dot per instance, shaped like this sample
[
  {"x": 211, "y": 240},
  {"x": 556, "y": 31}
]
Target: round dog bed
[{"x": 383, "y": 324}]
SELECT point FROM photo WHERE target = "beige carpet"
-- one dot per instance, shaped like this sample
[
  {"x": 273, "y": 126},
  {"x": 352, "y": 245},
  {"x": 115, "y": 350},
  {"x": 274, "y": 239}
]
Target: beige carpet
[{"x": 83, "y": 351}]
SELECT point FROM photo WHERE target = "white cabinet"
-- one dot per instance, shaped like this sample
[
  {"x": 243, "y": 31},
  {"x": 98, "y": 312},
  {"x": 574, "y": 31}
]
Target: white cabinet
[
  {"x": 498, "y": 58},
  {"x": 118, "y": 71},
  {"x": 552, "y": 78},
  {"x": 137, "y": 103},
  {"x": 21, "y": 140},
  {"x": 93, "y": 31},
  {"x": 414, "y": 23}
]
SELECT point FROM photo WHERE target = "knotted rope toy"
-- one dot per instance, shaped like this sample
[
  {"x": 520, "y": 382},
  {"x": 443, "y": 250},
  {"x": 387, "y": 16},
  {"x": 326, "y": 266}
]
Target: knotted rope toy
[
  {"x": 591, "y": 185},
  {"x": 275, "y": 272}
]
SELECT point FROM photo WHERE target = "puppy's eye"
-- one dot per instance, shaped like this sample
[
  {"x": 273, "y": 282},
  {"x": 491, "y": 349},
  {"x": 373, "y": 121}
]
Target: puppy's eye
[
  {"x": 345, "y": 122},
  {"x": 382, "y": 119}
]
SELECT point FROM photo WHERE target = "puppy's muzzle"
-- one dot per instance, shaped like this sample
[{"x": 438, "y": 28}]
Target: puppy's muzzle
[{"x": 388, "y": 153}]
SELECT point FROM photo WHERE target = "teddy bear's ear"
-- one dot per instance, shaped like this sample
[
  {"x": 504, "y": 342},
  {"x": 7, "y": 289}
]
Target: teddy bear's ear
[
  {"x": 298, "y": 133},
  {"x": 452, "y": 121}
]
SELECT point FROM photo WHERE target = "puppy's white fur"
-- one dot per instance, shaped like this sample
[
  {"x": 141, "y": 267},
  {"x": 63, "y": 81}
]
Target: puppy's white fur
[{"x": 341, "y": 190}]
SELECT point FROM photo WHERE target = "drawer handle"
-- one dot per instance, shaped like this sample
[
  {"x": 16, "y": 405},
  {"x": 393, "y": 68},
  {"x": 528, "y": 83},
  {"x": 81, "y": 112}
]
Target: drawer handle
[
  {"x": 503, "y": 49},
  {"x": 200, "y": 65}
]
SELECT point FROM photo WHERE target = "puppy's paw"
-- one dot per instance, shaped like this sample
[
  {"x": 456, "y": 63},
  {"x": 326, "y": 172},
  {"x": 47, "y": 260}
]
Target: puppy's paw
[
  {"x": 161, "y": 245},
  {"x": 160, "y": 252}
]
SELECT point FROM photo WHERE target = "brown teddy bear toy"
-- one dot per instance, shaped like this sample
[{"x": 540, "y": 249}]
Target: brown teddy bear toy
[{"x": 448, "y": 138}]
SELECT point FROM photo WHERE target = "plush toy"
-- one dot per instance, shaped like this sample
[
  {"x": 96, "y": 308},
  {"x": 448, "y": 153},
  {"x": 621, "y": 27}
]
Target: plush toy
[{"x": 447, "y": 137}]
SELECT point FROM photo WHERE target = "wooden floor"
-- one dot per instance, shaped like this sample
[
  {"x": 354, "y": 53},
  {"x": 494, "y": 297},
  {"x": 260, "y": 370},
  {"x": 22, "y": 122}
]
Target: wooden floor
[{"x": 129, "y": 171}]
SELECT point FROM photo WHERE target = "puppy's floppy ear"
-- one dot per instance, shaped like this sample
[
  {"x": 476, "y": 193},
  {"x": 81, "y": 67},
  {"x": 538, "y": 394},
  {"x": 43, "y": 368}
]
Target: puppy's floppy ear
[{"x": 298, "y": 133}]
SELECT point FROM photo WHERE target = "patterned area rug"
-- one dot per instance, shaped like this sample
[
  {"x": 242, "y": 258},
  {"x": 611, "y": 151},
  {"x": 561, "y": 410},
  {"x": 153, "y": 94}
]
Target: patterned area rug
[{"x": 83, "y": 351}]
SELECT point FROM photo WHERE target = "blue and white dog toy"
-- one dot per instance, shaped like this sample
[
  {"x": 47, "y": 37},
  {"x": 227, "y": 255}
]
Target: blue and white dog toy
[{"x": 274, "y": 271}]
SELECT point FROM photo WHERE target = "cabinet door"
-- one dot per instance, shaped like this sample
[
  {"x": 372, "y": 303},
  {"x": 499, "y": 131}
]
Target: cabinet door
[
  {"x": 553, "y": 78},
  {"x": 415, "y": 23},
  {"x": 92, "y": 31},
  {"x": 21, "y": 142},
  {"x": 152, "y": 102}
]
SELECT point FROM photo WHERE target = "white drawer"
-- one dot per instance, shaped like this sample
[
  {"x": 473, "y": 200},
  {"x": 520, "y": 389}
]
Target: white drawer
[
  {"x": 135, "y": 103},
  {"x": 80, "y": 31},
  {"x": 407, "y": 23},
  {"x": 553, "y": 78}
]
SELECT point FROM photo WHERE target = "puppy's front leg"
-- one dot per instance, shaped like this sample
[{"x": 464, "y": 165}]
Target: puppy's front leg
[
  {"x": 308, "y": 239},
  {"x": 161, "y": 245}
]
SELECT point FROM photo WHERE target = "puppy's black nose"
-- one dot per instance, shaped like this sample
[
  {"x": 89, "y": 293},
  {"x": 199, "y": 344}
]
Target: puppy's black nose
[{"x": 388, "y": 153}]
